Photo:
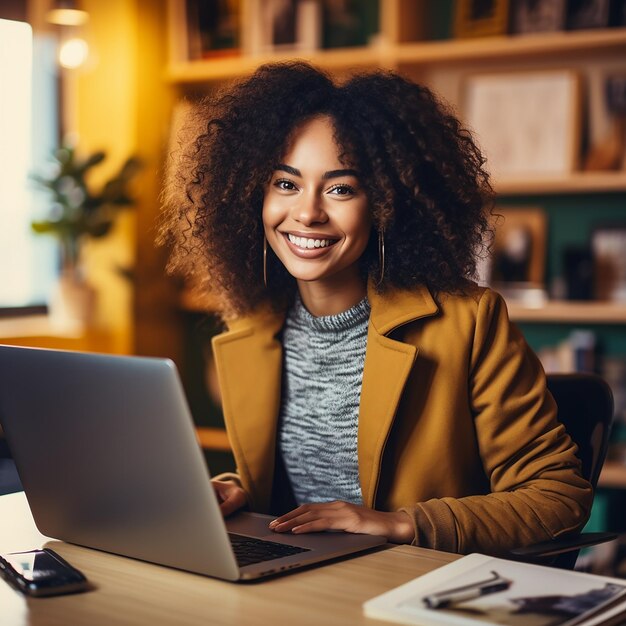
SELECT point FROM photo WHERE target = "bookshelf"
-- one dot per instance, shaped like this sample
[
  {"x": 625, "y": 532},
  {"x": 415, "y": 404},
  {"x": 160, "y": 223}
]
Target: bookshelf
[{"x": 402, "y": 46}]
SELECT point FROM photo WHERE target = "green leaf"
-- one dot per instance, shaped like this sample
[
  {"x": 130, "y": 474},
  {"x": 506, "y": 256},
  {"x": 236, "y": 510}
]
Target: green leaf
[
  {"x": 130, "y": 168},
  {"x": 94, "y": 159},
  {"x": 44, "y": 227}
]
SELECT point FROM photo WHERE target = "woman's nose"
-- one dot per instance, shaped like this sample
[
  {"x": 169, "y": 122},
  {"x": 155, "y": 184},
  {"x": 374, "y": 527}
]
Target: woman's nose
[{"x": 309, "y": 210}]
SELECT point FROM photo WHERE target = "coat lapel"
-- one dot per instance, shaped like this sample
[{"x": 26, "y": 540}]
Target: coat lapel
[
  {"x": 388, "y": 363},
  {"x": 249, "y": 362}
]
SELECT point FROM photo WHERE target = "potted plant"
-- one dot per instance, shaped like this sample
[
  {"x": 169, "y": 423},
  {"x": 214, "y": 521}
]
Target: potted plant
[{"x": 77, "y": 213}]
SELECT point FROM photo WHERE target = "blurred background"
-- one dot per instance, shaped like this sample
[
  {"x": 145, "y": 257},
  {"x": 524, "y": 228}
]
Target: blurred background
[{"x": 90, "y": 92}]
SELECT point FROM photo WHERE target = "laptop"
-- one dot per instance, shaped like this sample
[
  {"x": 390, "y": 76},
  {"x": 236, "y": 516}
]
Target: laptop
[{"x": 107, "y": 453}]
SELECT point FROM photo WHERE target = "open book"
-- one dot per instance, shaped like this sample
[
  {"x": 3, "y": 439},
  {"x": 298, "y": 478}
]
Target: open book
[{"x": 481, "y": 590}]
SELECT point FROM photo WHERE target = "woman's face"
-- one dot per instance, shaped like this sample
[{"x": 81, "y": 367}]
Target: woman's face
[{"x": 315, "y": 213}]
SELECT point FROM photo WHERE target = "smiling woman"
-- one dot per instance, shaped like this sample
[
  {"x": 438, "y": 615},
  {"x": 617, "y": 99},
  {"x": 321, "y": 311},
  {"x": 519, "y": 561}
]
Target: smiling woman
[{"x": 368, "y": 384}]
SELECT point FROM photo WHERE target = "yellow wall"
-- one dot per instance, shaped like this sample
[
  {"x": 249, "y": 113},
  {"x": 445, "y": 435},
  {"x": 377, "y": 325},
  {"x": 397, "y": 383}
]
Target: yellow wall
[{"x": 104, "y": 106}]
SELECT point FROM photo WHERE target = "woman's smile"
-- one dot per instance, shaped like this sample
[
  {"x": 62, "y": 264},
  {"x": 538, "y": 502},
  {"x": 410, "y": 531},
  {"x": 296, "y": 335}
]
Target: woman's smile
[{"x": 310, "y": 246}]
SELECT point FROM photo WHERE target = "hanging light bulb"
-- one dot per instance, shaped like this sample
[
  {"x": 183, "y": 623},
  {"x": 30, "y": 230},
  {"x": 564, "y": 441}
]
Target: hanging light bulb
[
  {"x": 66, "y": 13},
  {"x": 69, "y": 18},
  {"x": 73, "y": 53}
]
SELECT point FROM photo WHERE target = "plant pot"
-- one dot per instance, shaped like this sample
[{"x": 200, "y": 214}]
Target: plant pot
[{"x": 72, "y": 303}]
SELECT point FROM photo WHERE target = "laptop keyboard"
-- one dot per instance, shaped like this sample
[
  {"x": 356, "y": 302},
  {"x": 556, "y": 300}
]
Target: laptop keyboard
[{"x": 249, "y": 550}]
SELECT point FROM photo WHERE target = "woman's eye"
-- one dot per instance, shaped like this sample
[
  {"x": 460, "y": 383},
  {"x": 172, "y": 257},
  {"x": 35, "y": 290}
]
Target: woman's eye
[
  {"x": 342, "y": 190},
  {"x": 284, "y": 184}
]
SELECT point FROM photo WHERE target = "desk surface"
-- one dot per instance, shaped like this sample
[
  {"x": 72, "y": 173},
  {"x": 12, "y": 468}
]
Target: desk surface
[{"x": 131, "y": 592}]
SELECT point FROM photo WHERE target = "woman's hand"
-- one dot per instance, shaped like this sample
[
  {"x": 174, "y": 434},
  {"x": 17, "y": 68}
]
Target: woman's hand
[
  {"x": 397, "y": 526},
  {"x": 230, "y": 496}
]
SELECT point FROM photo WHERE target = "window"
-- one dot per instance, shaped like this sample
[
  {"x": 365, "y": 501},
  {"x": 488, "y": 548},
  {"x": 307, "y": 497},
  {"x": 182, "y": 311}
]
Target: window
[{"x": 28, "y": 134}]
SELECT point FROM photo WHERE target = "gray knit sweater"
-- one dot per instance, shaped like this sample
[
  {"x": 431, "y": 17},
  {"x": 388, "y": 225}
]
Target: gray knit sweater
[{"x": 322, "y": 376}]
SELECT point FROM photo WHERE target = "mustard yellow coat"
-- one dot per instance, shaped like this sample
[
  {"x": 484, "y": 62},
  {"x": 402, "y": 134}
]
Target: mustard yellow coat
[{"x": 455, "y": 424}]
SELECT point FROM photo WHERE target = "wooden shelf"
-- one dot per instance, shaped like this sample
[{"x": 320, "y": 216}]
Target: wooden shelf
[
  {"x": 34, "y": 326},
  {"x": 519, "y": 47},
  {"x": 213, "y": 439},
  {"x": 568, "y": 311},
  {"x": 458, "y": 51},
  {"x": 613, "y": 475},
  {"x": 233, "y": 67},
  {"x": 193, "y": 303},
  {"x": 575, "y": 183},
  {"x": 38, "y": 331}
]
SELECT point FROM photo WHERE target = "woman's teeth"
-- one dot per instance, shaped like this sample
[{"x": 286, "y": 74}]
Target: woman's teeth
[{"x": 304, "y": 242}]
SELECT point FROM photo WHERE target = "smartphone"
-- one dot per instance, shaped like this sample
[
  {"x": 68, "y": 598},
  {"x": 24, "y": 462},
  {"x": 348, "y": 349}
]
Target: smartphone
[{"x": 41, "y": 573}]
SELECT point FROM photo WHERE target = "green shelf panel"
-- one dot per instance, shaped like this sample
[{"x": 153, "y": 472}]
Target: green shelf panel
[{"x": 571, "y": 220}]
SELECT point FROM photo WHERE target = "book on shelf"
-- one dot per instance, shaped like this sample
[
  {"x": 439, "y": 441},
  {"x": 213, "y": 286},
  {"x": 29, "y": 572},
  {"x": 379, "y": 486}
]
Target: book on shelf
[
  {"x": 479, "y": 590},
  {"x": 348, "y": 23},
  {"x": 213, "y": 28},
  {"x": 282, "y": 25}
]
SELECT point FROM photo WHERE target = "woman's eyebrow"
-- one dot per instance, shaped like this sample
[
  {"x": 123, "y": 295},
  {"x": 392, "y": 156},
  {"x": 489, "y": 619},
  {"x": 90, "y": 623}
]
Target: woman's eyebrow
[
  {"x": 287, "y": 168},
  {"x": 282, "y": 167},
  {"x": 339, "y": 174}
]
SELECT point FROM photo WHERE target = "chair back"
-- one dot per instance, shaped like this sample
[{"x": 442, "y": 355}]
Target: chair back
[{"x": 585, "y": 408}]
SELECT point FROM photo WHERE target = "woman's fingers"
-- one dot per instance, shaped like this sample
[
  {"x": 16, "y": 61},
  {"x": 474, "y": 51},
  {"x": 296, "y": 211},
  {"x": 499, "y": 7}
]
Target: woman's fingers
[
  {"x": 352, "y": 518},
  {"x": 318, "y": 517},
  {"x": 230, "y": 496},
  {"x": 296, "y": 519},
  {"x": 317, "y": 526}
]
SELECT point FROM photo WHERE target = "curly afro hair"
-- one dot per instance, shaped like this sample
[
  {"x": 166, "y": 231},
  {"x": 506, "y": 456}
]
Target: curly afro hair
[{"x": 421, "y": 171}]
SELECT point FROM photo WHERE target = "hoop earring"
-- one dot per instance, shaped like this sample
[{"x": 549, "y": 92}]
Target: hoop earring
[
  {"x": 265, "y": 261},
  {"x": 381, "y": 255}
]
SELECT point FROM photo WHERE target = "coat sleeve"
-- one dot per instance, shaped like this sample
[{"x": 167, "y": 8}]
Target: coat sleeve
[{"x": 537, "y": 491}]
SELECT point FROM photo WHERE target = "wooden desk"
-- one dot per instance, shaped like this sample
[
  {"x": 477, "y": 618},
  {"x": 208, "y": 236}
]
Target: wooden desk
[{"x": 134, "y": 593}]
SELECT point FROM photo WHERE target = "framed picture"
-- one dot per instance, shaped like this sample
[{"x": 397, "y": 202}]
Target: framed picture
[
  {"x": 480, "y": 18},
  {"x": 608, "y": 245},
  {"x": 537, "y": 16},
  {"x": 527, "y": 123},
  {"x": 518, "y": 251}
]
